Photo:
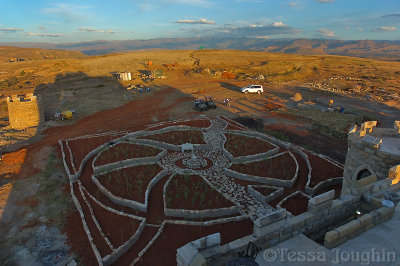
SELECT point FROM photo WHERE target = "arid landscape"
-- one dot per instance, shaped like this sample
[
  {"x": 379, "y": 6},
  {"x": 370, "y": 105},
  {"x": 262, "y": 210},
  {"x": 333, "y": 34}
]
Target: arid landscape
[{"x": 39, "y": 220}]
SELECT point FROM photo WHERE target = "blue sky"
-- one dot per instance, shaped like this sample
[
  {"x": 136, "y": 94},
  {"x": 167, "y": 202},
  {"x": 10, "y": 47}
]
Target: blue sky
[{"x": 86, "y": 20}]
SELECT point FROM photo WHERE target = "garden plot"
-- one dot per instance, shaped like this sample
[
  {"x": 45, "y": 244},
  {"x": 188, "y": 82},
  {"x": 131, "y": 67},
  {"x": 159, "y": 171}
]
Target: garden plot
[
  {"x": 123, "y": 151},
  {"x": 130, "y": 191},
  {"x": 178, "y": 137},
  {"x": 239, "y": 145}
]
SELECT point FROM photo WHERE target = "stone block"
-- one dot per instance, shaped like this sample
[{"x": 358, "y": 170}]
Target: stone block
[
  {"x": 269, "y": 229},
  {"x": 322, "y": 207},
  {"x": 72, "y": 263},
  {"x": 366, "y": 181},
  {"x": 199, "y": 260},
  {"x": 331, "y": 236},
  {"x": 271, "y": 218},
  {"x": 297, "y": 222},
  {"x": 335, "y": 206},
  {"x": 322, "y": 198},
  {"x": 185, "y": 254},
  {"x": 348, "y": 228},
  {"x": 365, "y": 220},
  {"x": 208, "y": 241}
]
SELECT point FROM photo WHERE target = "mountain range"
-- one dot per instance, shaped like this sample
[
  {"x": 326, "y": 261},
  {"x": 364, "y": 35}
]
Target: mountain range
[{"x": 383, "y": 50}]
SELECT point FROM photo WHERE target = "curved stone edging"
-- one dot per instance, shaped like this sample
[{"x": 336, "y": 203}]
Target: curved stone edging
[
  {"x": 94, "y": 218},
  {"x": 71, "y": 156},
  {"x": 143, "y": 251},
  {"x": 131, "y": 203},
  {"x": 85, "y": 226},
  {"x": 211, "y": 222},
  {"x": 111, "y": 258},
  {"x": 208, "y": 213},
  {"x": 242, "y": 159},
  {"x": 290, "y": 196},
  {"x": 64, "y": 161},
  {"x": 266, "y": 180},
  {"x": 96, "y": 168},
  {"x": 324, "y": 184},
  {"x": 254, "y": 157},
  {"x": 262, "y": 198}
]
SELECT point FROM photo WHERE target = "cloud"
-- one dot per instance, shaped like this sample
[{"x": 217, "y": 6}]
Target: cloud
[
  {"x": 43, "y": 34},
  {"x": 8, "y": 30},
  {"x": 326, "y": 32},
  {"x": 255, "y": 30},
  {"x": 82, "y": 29},
  {"x": 200, "y": 21},
  {"x": 391, "y": 15},
  {"x": 68, "y": 13},
  {"x": 383, "y": 29},
  {"x": 324, "y": 1},
  {"x": 202, "y": 3}
]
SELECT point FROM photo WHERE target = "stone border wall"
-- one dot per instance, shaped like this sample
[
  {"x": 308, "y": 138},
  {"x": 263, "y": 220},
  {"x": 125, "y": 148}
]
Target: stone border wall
[
  {"x": 25, "y": 111},
  {"x": 364, "y": 152},
  {"x": 278, "y": 226},
  {"x": 266, "y": 180},
  {"x": 354, "y": 228},
  {"x": 279, "y": 205},
  {"x": 208, "y": 213},
  {"x": 181, "y": 120},
  {"x": 252, "y": 156},
  {"x": 324, "y": 184},
  {"x": 262, "y": 198},
  {"x": 85, "y": 226},
  {"x": 131, "y": 203},
  {"x": 158, "y": 156},
  {"x": 116, "y": 252}
]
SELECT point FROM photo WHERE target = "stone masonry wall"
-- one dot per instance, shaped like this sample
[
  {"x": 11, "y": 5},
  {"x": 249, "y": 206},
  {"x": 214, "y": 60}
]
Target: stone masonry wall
[{"x": 25, "y": 111}]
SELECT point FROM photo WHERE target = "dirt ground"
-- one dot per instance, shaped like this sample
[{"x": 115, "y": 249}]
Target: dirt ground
[{"x": 31, "y": 172}]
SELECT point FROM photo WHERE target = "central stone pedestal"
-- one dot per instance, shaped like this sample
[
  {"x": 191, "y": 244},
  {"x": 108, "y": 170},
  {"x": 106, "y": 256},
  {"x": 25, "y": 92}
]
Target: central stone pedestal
[{"x": 194, "y": 162}]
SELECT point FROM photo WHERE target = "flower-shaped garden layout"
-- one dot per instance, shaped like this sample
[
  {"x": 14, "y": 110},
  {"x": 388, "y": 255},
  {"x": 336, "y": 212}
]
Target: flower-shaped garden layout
[{"x": 141, "y": 195}]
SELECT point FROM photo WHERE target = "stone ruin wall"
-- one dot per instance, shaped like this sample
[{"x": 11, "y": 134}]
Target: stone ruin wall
[
  {"x": 25, "y": 111},
  {"x": 366, "y": 153}
]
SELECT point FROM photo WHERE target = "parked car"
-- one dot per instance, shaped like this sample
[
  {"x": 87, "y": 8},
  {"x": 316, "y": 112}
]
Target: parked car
[
  {"x": 252, "y": 88},
  {"x": 200, "y": 105},
  {"x": 210, "y": 102}
]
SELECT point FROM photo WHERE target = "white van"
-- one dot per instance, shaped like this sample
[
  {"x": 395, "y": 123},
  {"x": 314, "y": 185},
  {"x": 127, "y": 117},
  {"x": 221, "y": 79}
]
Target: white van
[{"x": 252, "y": 88}]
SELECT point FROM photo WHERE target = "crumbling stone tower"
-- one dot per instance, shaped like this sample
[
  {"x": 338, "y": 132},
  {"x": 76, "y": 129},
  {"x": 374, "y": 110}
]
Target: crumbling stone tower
[
  {"x": 371, "y": 154},
  {"x": 24, "y": 111}
]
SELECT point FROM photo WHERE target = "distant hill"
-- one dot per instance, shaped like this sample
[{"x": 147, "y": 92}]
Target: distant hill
[
  {"x": 385, "y": 50},
  {"x": 14, "y": 54}
]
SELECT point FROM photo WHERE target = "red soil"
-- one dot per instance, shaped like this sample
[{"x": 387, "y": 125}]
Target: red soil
[
  {"x": 199, "y": 123},
  {"x": 99, "y": 241},
  {"x": 238, "y": 145},
  {"x": 130, "y": 183},
  {"x": 126, "y": 226},
  {"x": 280, "y": 167},
  {"x": 193, "y": 193},
  {"x": 123, "y": 151},
  {"x": 265, "y": 190},
  {"x": 81, "y": 147},
  {"x": 322, "y": 170},
  {"x": 178, "y": 137},
  {"x": 175, "y": 236},
  {"x": 296, "y": 205}
]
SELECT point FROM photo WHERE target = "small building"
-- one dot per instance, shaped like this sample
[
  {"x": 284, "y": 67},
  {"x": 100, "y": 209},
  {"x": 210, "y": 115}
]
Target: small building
[
  {"x": 25, "y": 111},
  {"x": 124, "y": 76}
]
